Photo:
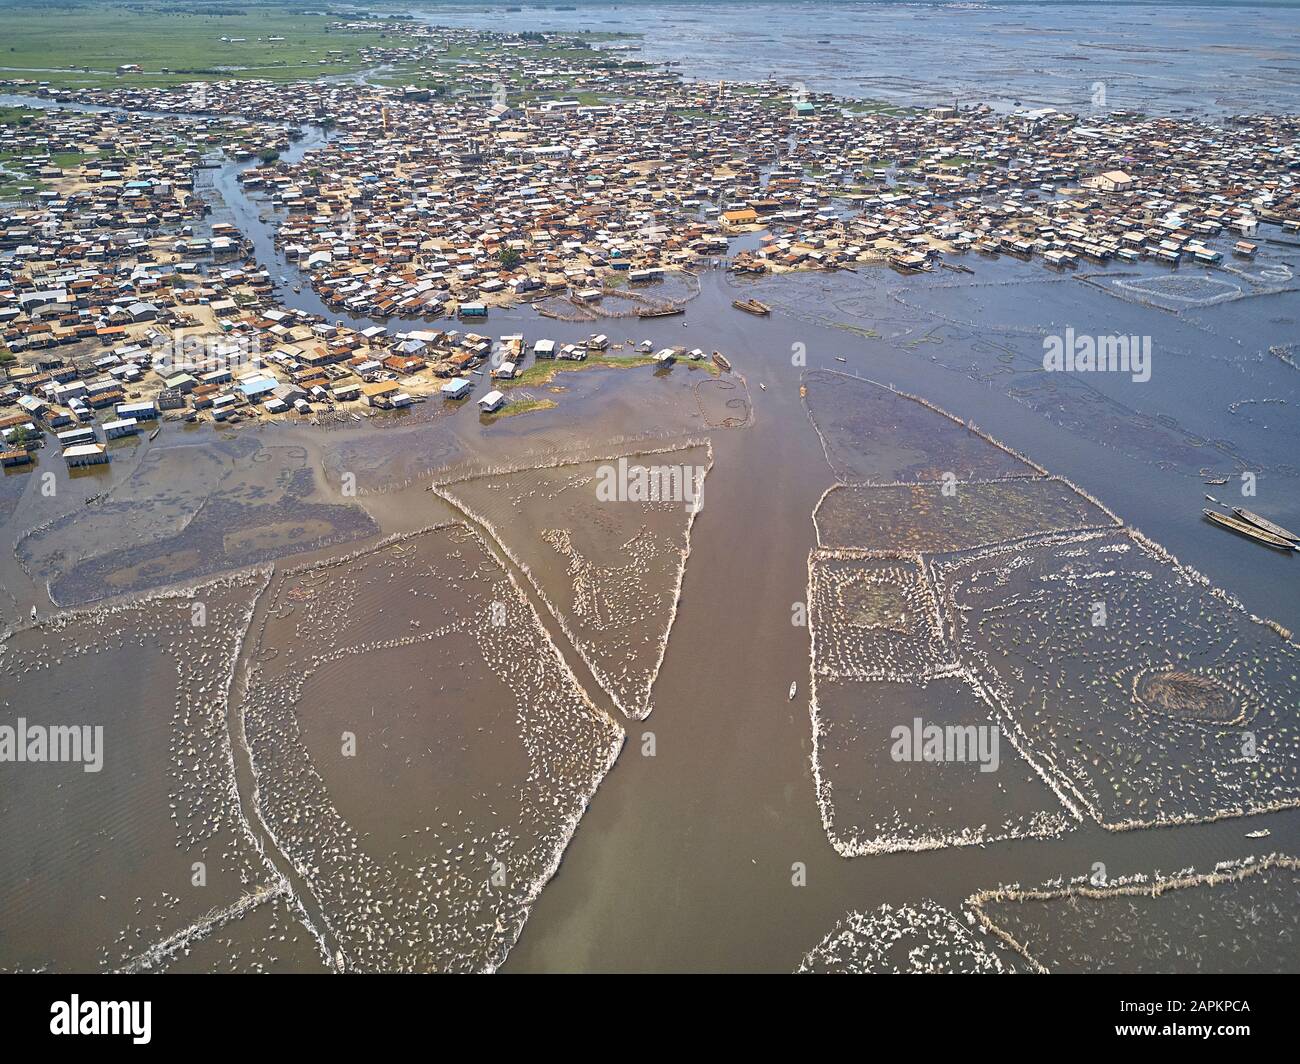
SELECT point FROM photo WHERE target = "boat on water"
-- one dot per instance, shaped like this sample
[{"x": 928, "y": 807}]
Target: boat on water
[
  {"x": 154, "y": 435},
  {"x": 752, "y": 306},
  {"x": 721, "y": 362},
  {"x": 33, "y": 613},
  {"x": 762, "y": 386},
  {"x": 1264, "y": 523},
  {"x": 1244, "y": 528},
  {"x": 840, "y": 358},
  {"x": 1262, "y": 833},
  {"x": 794, "y": 686},
  {"x": 660, "y": 312}
]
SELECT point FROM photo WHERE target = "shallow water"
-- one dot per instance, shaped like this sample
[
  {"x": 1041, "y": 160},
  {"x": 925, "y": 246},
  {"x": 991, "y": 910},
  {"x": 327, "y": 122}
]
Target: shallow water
[
  {"x": 1157, "y": 57},
  {"x": 685, "y": 858}
]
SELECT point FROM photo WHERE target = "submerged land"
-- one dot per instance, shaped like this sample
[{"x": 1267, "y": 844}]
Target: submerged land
[{"x": 511, "y": 500}]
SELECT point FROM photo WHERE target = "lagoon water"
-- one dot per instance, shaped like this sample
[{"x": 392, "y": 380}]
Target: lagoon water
[
  {"x": 684, "y": 859},
  {"x": 1203, "y": 58}
]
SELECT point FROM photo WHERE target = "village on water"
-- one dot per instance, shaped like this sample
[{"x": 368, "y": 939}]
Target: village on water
[{"x": 549, "y": 169}]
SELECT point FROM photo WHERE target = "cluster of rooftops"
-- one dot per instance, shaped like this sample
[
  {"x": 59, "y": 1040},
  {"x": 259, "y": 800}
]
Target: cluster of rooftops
[{"x": 532, "y": 165}]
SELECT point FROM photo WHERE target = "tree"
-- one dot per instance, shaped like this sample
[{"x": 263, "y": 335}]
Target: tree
[
  {"x": 7, "y": 359},
  {"x": 509, "y": 258},
  {"x": 268, "y": 155}
]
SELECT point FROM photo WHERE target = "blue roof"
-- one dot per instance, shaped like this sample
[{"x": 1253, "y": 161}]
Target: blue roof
[{"x": 257, "y": 386}]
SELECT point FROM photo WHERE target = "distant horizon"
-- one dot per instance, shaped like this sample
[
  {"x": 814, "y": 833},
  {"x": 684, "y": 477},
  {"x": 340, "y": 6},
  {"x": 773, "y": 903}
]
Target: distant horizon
[{"x": 534, "y": 5}]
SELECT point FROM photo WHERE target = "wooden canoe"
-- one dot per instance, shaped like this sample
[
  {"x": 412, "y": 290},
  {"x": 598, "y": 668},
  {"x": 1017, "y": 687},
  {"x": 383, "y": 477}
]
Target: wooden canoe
[
  {"x": 1264, "y": 523},
  {"x": 1244, "y": 528}
]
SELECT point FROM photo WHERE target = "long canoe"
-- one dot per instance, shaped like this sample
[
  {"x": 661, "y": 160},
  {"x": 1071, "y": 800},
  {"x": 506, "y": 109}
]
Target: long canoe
[
  {"x": 1244, "y": 528},
  {"x": 1265, "y": 524}
]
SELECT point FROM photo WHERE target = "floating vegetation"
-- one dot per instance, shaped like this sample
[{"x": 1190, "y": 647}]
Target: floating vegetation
[
  {"x": 873, "y": 434},
  {"x": 421, "y": 750},
  {"x": 1149, "y": 696},
  {"x": 1239, "y": 917},
  {"x": 954, "y": 516},
  {"x": 609, "y": 570},
  {"x": 919, "y": 939},
  {"x": 874, "y": 618},
  {"x": 155, "y": 843},
  {"x": 271, "y": 936},
  {"x": 1184, "y": 693},
  {"x": 1136, "y": 693}
]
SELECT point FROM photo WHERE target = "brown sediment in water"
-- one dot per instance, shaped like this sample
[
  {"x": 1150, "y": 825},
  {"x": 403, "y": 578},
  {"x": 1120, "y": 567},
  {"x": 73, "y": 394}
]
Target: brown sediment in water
[
  {"x": 1224, "y": 874},
  {"x": 516, "y": 748},
  {"x": 173, "y": 653},
  {"x": 617, "y": 610},
  {"x": 1017, "y": 581}
]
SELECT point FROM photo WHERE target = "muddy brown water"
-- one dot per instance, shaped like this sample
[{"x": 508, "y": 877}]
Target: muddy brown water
[{"x": 684, "y": 860}]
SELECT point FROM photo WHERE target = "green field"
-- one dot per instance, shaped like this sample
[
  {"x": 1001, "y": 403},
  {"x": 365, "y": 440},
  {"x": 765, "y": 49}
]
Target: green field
[{"x": 83, "y": 45}]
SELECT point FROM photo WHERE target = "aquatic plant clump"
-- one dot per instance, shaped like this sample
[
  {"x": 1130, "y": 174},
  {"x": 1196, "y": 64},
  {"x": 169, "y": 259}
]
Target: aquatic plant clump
[
  {"x": 1138, "y": 693},
  {"x": 872, "y": 434},
  {"x": 607, "y": 558},
  {"x": 939, "y": 518},
  {"x": 273, "y": 935},
  {"x": 1238, "y": 917},
  {"x": 1147, "y": 695},
  {"x": 920, "y": 939},
  {"x": 162, "y": 853},
  {"x": 884, "y": 679},
  {"x": 421, "y": 750},
  {"x": 920, "y": 764},
  {"x": 874, "y": 618}
]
